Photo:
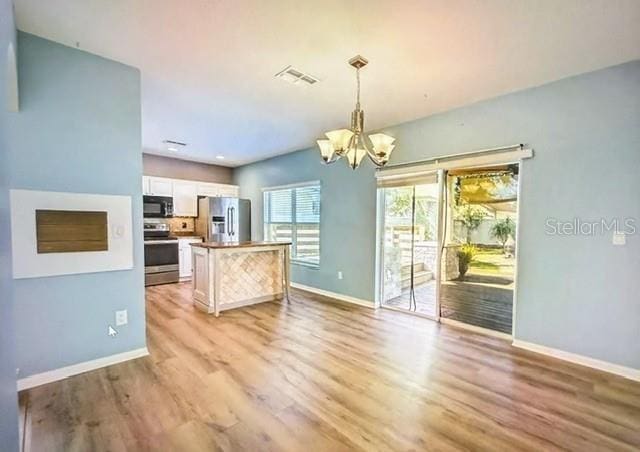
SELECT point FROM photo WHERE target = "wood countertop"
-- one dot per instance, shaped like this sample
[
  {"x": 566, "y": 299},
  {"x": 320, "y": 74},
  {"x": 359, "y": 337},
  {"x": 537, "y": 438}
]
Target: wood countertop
[
  {"x": 183, "y": 235},
  {"x": 217, "y": 245}
]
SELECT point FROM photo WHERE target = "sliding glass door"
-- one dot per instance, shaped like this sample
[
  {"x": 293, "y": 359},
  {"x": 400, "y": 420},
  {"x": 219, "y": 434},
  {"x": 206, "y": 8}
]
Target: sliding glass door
[
  {"x": 478, "y": 277},
  {"x": 447, "y": 243},
  {"x": 410, "y": 236}
]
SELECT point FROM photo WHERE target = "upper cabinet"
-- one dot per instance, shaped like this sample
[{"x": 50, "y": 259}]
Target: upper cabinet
[
  {"x": 185, "y": 199},
  {"x": 209, "y": 189},
  {"x": 145, "y": 185},
  {"x": 157, "y": 186},
  {"x": 185, "y": 192},
  {"x": 231, "y": 191},
  {"x": 205, "y": 189}
]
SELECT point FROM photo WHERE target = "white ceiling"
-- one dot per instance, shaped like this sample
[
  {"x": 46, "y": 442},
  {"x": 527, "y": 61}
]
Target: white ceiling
[{"x": 208, "y": 65}]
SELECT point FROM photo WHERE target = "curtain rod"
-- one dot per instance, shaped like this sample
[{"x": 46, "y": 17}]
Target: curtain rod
[{"x": 436, "y": 160}]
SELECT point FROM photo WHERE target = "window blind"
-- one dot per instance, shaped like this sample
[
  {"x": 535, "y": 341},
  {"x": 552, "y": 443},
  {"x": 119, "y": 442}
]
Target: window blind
[
  {"x": 280, "y": 206},
  {"x": 292, "y": 214},
  {"x": 486, "y": 157},
  {"x": 307, "y": 204}
]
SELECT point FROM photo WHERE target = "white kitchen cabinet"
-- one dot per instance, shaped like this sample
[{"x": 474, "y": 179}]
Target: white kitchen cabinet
[
  {"x": 205, "y": 189},
  {"x": 231, "y": 191},
  {"x": 145, "y": 185},
  {"x": 185, "y": 192},
  {"x": 200, "y": 276},
  {"x": 184, "y": 247},
  {"x": 185, "y": 199},
  {"x": 211, "y": 189},
  {"x": 185, "y": 263},
  {"x": 159, "y": 186}
]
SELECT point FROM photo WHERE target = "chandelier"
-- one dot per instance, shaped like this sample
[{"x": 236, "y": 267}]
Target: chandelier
[{"x": 351, "y": 143}]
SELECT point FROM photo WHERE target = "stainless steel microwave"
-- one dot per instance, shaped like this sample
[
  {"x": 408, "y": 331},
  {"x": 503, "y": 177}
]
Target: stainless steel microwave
[{"x": 158, "y": 206}]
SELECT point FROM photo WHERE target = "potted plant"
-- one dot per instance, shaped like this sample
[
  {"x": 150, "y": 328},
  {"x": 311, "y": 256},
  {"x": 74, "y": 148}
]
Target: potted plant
[{"x": 465, "y": 256}]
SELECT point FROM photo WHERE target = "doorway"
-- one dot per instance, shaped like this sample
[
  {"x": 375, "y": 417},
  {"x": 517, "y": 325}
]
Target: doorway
[
  {"x": 411, "y": 233},
  {"x": 477, "y": 285},
  {"x": 447, "y": 245}
]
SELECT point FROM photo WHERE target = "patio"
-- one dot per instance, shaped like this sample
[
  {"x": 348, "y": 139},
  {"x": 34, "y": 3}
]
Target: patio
[
  {"x": 481, "y": 213},
  {"x": 481, "y": 300},
  {"x": 425, "y": 299},
  {"x": 484, "y": 298}
]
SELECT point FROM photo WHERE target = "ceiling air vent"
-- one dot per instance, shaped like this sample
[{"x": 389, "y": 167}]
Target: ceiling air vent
[
  {"x": 173, "y": 146},
  {"x": 295, "y": 76}
]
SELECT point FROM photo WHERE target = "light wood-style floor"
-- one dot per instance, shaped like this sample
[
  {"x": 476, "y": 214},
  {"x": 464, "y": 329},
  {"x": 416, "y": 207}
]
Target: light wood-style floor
[{"x": 322, "y": 376}]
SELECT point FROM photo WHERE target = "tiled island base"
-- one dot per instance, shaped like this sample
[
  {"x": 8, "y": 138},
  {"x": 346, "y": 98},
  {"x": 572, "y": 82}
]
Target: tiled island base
[{"x": 231, "y": 275}]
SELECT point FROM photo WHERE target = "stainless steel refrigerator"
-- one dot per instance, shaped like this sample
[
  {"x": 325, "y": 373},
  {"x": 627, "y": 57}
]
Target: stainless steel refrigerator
[{"x": 224, "y": 219}]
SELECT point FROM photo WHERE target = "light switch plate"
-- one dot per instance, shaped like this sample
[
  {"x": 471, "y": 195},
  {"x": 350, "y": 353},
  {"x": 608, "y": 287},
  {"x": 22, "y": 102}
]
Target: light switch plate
[
  {"x": 118, "y": 231},
  {"x": 121, "y": 317},
  {"x": 619, "y": 238}
]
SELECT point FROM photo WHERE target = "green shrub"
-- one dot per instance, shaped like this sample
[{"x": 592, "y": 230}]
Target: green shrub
[
  {"x": 465, "y": 256},
  {"x": 502, "y": 230}
]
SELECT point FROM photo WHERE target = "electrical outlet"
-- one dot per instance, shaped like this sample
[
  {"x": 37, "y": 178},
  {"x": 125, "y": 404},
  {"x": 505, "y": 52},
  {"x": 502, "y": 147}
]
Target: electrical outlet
[
  {"x": 340, "y": 275},
  {"x": 121, "y": 317},
  {"x": 619, "y": 238}
]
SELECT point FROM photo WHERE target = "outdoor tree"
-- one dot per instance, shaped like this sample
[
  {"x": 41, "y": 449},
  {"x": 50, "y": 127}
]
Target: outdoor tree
[
  {"x": 502, "y": 230},
  {"x": 401, "y": 205},
  {"x": 470, "y": 217}
]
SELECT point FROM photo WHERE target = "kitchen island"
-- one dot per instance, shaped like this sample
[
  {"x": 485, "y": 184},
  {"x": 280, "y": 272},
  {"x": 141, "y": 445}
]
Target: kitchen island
[{"x": 235, "y": 274}]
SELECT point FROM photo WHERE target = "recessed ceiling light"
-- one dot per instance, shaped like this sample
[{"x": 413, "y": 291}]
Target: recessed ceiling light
[
  {"x": 172, "y": 149},
  {"x": 220, "y": 157}
]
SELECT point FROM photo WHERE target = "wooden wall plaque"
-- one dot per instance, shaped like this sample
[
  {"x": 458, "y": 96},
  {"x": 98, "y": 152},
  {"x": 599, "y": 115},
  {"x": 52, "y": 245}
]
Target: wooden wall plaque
[{"x": 68, "y": 231}]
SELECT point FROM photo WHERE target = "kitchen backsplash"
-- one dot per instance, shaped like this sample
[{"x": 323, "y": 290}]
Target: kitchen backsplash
[{"x": 182, "y": 224}]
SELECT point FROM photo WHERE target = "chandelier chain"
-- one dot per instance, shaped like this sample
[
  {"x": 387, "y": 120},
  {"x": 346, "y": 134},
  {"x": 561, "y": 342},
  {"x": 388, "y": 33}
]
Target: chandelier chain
[{"x": 358, "y": 89}]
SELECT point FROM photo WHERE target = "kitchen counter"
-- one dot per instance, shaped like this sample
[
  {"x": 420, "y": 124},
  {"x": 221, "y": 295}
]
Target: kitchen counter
[
  {"x": 216, "y": 245},
  {"x": 236, "y": 274},
  {"x": 186, "y": 235}
]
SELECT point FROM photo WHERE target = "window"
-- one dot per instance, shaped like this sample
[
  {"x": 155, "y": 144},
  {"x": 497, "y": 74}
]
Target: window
[{"x": 292, "y": 214}]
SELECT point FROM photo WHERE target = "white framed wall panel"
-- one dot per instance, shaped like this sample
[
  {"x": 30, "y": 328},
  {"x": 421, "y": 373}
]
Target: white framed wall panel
[{"x": 27, "y": 263}]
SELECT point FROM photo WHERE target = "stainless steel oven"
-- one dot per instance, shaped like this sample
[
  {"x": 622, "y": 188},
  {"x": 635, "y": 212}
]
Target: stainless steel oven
[
  {"x": 157, "y": 206},
  {"x": 161, "y": 255}
]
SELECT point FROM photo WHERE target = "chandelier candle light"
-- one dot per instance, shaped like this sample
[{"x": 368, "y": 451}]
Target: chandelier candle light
[{"x": 350, "y": 143}]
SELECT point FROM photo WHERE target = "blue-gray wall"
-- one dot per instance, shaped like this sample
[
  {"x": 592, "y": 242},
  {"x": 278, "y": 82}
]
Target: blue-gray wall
[
  {"x": 8, "y": 397},
  {"x": 79, "y": 130},
  {"x": 578, "y": 294},
  {"x": 347, "y": 218}
]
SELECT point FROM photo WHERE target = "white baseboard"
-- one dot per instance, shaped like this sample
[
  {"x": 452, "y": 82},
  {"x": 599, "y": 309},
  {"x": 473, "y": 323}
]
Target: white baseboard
[
  {"x": 337, "y": 296},
  {"x": 627, "y": 372},
  {"x": 64, "y": 372}
]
